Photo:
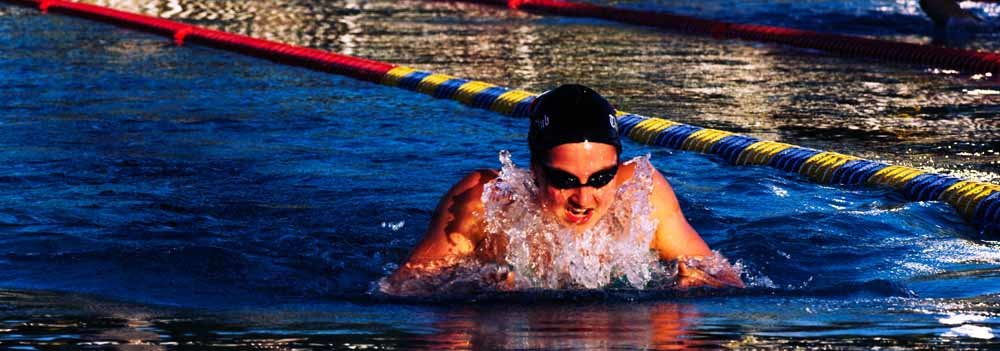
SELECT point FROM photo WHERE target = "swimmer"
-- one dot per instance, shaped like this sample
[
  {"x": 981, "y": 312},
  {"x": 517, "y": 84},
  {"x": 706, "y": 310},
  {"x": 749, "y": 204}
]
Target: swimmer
[{"x": 576, "y": 183}]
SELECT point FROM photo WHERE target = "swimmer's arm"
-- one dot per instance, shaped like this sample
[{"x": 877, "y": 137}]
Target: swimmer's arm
[
  {"x": 456, "y": 226},
  {"x": 675, "y": 239},
  {"x": 674, "y": 235}
]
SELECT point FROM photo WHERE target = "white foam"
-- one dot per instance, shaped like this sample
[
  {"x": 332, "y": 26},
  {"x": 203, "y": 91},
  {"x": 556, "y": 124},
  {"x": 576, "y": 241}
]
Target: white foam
[
  {"x": 956, "y": 319},
  {"x": 543, "y": 254},
  {"x": 982, "y": 92},
  {"x": 969, "y": 330}
]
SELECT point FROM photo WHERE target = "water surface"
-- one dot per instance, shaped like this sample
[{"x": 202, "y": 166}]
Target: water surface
[{"x": 188, "y": 198}]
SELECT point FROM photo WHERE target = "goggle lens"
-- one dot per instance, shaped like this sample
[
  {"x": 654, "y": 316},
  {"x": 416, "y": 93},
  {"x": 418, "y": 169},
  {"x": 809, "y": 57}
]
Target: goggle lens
[{"x": 563, "y": 180}]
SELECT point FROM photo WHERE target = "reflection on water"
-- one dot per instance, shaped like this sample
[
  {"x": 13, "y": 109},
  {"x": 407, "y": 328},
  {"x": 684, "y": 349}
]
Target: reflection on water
[
  {"x": 36, "y": 320},
  {"x": 906, "y": 114},
  {"x": 87, "y": 323},
  {"x": 90, "y": 323},
  {"x": 660, "y": 326}
]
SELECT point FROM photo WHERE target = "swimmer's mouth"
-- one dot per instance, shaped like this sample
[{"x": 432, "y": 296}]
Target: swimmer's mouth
[{"x": 579, "y": 216}]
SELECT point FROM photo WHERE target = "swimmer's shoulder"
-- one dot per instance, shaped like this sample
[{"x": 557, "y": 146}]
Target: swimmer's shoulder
[
  {"x": 457, "y": 224},
  {"x": 627, "y": 170},
  {"x": 474, "y": 182},
  {"x": 465, "y": 197},
  {"x": 662, "y": 196},
  {"x": 465, "y": 204}
]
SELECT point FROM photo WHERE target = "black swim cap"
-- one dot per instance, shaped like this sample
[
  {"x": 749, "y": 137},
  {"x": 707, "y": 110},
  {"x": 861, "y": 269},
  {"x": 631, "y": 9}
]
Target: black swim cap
[{"x": 571, "y": 113}]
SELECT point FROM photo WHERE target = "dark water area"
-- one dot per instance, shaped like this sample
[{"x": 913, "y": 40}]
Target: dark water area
[{"x": 156, "y": 197}]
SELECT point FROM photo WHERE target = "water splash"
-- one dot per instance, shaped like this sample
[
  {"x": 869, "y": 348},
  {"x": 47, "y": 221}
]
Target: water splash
[
  {"x": 525, "y": 247},
  {"x": 543, "y": 254}
]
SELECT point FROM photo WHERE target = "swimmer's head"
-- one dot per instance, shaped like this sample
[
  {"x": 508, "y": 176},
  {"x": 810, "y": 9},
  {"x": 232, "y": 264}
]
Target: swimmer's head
[
  {"x": 575, "y": 146},
  {"x": 571, "y": 113}
]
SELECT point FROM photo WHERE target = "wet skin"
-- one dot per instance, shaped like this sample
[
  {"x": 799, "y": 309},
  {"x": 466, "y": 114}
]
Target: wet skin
[{"x": 457, "y": 228}]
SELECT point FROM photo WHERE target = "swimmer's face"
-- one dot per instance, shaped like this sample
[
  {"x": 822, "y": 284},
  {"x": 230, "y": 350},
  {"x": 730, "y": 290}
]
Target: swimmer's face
[{"x": 577, "y": 207}]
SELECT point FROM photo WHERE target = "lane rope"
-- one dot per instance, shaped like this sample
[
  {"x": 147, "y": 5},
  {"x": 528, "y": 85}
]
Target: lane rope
[
  {"x": 976, "y": 201},
  {"x": 936, "y": 56}
]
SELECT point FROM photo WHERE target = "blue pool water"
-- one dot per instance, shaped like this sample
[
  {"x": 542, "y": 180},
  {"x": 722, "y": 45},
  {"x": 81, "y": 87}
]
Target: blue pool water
[{"x": 192, "y": 198}]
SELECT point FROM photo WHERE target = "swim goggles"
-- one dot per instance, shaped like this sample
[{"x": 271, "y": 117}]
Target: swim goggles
[{"x": 563, "y": 180}]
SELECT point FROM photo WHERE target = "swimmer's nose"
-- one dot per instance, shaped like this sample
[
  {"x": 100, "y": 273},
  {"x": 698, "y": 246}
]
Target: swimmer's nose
[{"x": 582, "y": 197}]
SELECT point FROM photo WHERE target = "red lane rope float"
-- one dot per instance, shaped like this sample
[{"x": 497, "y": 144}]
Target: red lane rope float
[
  {"x": 350, "y": 66},
  {"x": 44, "y": 6},
  {"x": 180, "y": 34},
  {"x": 973, "y": 61}
]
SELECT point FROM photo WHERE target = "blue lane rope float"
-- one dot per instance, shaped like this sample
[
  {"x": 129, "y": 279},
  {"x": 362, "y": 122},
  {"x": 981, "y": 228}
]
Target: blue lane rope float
[{"x": 978, "y": 202}]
